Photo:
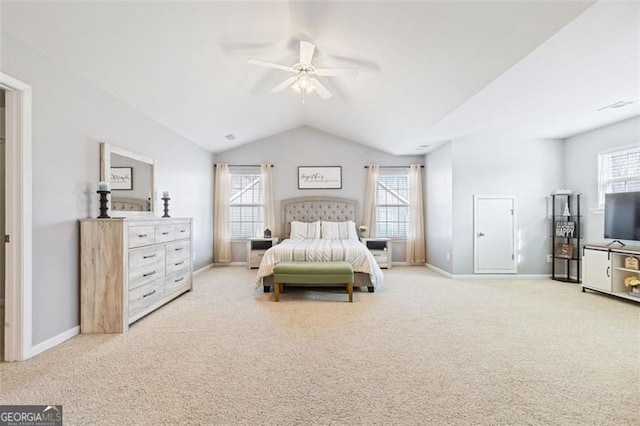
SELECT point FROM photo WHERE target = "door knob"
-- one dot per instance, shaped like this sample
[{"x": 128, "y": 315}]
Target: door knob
[{"x": 480, "y": 234}]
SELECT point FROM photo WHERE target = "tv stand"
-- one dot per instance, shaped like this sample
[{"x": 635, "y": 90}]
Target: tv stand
[
  {"x": 606, "y": 267},
  {"x": 617, "y": 241}
]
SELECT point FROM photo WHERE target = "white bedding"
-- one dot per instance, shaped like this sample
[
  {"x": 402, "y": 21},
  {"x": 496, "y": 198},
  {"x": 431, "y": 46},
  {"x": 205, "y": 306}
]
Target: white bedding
[{"x": 321, "y": 250}]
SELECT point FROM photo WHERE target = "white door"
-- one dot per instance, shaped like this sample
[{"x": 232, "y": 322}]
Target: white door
[
  {"x": 494, "y": 235},
  {"x": 2, "y": 233}
]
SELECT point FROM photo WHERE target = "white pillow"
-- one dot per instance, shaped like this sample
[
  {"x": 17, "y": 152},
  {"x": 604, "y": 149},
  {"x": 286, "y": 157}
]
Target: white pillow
[
  {"x": 330, "y": 230},
  {"x": 352, "y": 234},
  {"x": 339, "y": 230},
  {"x": 301, "y": 230}
]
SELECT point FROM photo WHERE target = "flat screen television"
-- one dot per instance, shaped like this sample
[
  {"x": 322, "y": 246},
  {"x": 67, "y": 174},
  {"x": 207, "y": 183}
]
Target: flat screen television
[{"x": 622, "y": 216}]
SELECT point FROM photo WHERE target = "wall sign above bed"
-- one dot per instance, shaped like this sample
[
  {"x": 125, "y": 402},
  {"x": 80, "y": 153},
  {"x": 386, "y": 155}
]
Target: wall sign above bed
[{"x": 321, "y": 177}]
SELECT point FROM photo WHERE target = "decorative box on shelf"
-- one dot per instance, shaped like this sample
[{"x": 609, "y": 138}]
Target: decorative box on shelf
[{"x": 631, "y": 262}]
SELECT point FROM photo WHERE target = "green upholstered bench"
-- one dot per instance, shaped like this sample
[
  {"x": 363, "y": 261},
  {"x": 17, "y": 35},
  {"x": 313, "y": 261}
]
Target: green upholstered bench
[{"x": 319, "y": 274}]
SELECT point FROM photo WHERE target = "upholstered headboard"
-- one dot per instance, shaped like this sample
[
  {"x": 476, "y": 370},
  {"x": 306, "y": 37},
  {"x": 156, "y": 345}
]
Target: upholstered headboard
[
  {"x": 311, "y": 209},
  {"x": 130, "y": 204}
]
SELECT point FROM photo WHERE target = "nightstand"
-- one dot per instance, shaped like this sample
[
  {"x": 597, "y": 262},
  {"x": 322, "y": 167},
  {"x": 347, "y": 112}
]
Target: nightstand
[
  {"x": 380, "y": 248},
  {"x": 256, "y": 248}
]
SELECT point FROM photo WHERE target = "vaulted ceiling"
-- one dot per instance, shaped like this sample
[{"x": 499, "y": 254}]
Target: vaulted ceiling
[{"x": 427, "y": 71}]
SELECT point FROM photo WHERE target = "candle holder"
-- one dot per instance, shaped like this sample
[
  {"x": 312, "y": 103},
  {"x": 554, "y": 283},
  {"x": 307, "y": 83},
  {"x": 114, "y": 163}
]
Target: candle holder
[
  {"x": 103, "y": 205},
  {"x": 166, "y": 206}
]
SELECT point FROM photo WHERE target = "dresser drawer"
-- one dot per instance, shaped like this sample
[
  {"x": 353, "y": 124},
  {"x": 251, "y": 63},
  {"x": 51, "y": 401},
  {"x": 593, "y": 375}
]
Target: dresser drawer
[
  {"x": 177, "y": 265},
  {"x": 144, "y": 297},
  {"x": 381, "y": 256},
  {"x": 180, "y": 250},
  {"x": 164, "y": 233},
  {"x": 182, "y": 230},
  {"x": 256, "y": 258},
  {"x": 145, "y": 265},
  {"x": 142, "y": 235},
  {"x": 177, "y": 282}
]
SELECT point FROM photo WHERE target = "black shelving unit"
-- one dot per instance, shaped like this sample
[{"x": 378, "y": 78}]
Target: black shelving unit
[{"x": 566, "y": 237}]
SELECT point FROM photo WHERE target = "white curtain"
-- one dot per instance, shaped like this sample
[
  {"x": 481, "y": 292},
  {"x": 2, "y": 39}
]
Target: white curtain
[
  {"x": 369, "y": 216},
  {"x": 269, "y": 205},
  {"x": 416, "y": 252},
  {"x": 221, "y": 238}
]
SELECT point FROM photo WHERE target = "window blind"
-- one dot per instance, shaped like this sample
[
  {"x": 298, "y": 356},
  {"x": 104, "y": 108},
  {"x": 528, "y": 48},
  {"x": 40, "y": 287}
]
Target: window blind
[
  {"x": 392, "y": 204},
  {"x": 246, "y": 215},
  {"x": 618, "y": 171}
]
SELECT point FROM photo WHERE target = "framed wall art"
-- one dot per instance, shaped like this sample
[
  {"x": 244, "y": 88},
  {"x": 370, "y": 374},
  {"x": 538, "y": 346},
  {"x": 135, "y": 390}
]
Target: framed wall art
[
  {"x": 320, "y": 177},
  {"x": 121, "y": 178}
]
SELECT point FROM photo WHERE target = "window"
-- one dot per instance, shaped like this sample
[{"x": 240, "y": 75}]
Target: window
[
  {"x": 392, "y": 203},
  {"x": 246, "y": 204},
  {"x": 618, "y": 171}
]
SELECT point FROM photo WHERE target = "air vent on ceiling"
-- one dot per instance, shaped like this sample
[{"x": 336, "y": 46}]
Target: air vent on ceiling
[{"x": 618, "y": 104}]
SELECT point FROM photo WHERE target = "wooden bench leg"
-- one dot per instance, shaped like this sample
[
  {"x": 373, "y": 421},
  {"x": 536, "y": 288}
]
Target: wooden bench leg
[
  {"x": 276, "y": 292},
  {"x": 350, "y": 291}
]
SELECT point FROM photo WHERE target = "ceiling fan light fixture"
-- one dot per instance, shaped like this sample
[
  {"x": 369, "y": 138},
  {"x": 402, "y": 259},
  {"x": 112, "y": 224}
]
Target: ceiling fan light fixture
[
  {"x": 303, "y": 82},
  {"x": 304, "y": 79}
]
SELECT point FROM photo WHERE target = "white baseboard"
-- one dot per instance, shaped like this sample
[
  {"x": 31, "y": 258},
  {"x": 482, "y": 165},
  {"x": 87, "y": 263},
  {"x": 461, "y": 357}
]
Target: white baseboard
[
  {"x": 489, "y": 276},
  {"x": 203, "y": 269},
  {"x": 439, "y": 271},
  {"x": 501, "y": 277},
  {"x": 54, "y": 341},
  {"x": 230, "y": 264}
]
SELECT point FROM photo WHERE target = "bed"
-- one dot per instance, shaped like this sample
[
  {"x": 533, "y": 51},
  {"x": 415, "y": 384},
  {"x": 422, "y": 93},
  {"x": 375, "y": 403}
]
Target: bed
[
  {"x": 312, "y": 210},
  {"x": 130, "y": 204}
]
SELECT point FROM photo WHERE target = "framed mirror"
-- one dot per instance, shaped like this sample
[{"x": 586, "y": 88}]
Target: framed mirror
[{"x": 131, "y": 177}]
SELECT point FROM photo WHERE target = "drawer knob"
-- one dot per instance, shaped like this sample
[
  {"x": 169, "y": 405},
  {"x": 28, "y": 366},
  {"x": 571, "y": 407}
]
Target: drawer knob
[
  {"x": 179, "y": 263},
  {"x": 165, "y": 233},
  {"x": 149, "y": 256},
  {"x": 142, "y": 235},
  {"x": 178, "y": 280},
  {"x": 149, "y": 294},
  {"x": 148, "y": 274},
  {"x": 183, "y": 230},
  {"x": 178, "y": 249}
]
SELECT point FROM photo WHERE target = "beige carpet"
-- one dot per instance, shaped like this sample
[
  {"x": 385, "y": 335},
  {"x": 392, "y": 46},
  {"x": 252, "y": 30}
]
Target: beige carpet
[{"x": 422, "y": 350}]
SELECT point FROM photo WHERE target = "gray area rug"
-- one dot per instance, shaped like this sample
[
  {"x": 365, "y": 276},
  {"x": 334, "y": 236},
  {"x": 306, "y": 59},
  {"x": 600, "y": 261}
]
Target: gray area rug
[{"x": 421, "y": 350}]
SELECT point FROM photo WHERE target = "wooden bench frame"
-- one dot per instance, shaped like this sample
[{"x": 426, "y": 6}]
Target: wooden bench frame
[{"x": 278, "y": 285}]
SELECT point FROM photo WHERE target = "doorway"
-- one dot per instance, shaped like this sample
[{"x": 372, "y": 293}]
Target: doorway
[
  {"x": 2, "y": 231},
  {"x": 494, "y": 225},
  {"x": 18, "y": 219}
]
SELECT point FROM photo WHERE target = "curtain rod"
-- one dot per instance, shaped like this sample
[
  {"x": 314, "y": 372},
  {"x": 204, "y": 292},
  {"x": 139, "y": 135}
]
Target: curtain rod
[
  {"x": 394, "y": 167},
  {"x": 243, "y": 165}
]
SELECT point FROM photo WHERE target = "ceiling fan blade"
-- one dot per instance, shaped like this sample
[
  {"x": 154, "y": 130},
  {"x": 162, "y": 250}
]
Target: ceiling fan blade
[
  {"x": 337, "y": 72},
  {"x": 280, "y": 87},
  {"x": 270, "y": 65},
  {"x": 322, "y": 91},
  {"x": 306, "y": 52}
]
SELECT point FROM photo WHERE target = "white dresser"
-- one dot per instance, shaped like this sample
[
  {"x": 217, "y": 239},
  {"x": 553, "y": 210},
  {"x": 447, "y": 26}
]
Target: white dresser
[{"x": 129, "y": 268}]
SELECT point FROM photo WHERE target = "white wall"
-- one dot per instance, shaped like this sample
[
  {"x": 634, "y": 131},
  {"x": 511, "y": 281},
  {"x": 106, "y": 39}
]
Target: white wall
[
  {"x": 529, "y": 170},
  {"x": 305, "y": 146},
  {"x": 581, "y": 164},
  {"x": 70, "y": 117},
  {"x": 439, "y": 207}
]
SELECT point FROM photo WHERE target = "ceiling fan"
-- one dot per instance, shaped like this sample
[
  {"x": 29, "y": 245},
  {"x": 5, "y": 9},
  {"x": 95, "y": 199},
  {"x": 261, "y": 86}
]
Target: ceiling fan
[{"x": 304, "y": 81}]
